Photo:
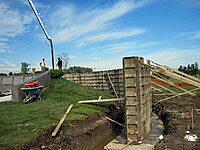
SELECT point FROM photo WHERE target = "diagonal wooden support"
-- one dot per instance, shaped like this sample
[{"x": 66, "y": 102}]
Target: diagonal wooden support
[
  {"x": 172, "y": 84},
  {"x": 182, "y": 73},
  {"x": 157, "y": 89},
  {"x": 61, "y": 121},
  {"x": 176, "y": 95},
  {"x": 112, "y": 86},
  {"x": 163, "y": 87},
  {"x": 179, "y": 77}
]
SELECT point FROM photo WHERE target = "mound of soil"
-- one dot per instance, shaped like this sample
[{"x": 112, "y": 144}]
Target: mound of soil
[
  {"x": 175, "y": 114},
  {"x": 79, "y": 134}
]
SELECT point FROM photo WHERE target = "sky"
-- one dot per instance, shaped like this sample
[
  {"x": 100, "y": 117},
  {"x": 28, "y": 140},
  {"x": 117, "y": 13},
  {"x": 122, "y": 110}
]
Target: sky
[{"x": 99, "y": 33}]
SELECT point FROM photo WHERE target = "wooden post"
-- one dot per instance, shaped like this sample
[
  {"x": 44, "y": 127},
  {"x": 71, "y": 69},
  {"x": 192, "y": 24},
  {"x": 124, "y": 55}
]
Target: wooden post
[
  {"x": 192, "y": 112},
  {"x": 61, "y": 121}
]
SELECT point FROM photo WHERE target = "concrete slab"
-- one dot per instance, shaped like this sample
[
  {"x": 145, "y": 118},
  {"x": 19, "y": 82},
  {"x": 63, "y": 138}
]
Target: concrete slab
[
  {"x": 147, "y": 144},
  {"x": 6, "y": 98}
]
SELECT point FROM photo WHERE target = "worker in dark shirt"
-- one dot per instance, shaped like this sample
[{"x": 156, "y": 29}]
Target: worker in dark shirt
[{"x": 59, "y": 64}]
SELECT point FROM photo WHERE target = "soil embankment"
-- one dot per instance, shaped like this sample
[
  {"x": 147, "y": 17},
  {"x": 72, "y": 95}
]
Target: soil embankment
[{"x": 89, "y": 133}]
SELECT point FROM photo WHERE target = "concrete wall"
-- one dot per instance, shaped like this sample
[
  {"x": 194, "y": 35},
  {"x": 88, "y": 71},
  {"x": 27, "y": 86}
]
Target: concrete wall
[{"x": 14, "y": 83}]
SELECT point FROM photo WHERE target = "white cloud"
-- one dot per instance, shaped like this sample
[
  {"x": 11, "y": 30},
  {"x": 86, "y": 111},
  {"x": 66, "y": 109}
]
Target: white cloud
[
  {"x": 175, "y": 57},
  {"x": 12, "y": 21},
  {"x": 112, "y": 35},
  {"x": 120, "y": 47},
  {"x": 73, "y": 24},
  {"x": 6, "y": 64},
  {"x": 4, "y": 47},
  {"x": 190, "y": 35},
  {"x": 5, "y": 51},
  {"x": 128, "y": 46}
]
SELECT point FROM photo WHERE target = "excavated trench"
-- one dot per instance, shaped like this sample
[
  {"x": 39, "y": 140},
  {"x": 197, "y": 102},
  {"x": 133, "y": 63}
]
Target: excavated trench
[
  {"x": 94, "y": 132},
  {"x": 160, "y": 110}
]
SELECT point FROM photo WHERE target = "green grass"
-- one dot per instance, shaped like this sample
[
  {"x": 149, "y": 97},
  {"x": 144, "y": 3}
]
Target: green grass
[{"x": 20, "y": 122}]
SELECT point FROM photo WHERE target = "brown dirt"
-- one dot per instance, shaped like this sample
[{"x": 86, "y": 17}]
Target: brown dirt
[
  {"x": 78, "y": 134},
  {"x": 173, "y": 114}
]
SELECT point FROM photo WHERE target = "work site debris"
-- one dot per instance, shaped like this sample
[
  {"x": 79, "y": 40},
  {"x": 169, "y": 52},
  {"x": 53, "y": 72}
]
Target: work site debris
[{"x": 191, "y": 137}]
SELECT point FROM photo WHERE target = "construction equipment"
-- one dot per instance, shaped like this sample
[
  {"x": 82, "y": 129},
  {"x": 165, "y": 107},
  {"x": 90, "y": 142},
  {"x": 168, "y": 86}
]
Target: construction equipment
[{"x": 32, "y": 91}]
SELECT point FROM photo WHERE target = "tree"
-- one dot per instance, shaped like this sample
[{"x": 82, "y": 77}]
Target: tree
[
  {"x": 180, "y": 68},
  {"x": 65, "y": 59},
  {"x": 24, "y": 68},
  {"x": 10, "y": 74},
  {"x": 3, "y": 74},
  {"x": 191, "y": 69}
]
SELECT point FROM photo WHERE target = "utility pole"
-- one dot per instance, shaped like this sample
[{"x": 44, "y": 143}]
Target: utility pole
[{"x": 44, "y": 30}]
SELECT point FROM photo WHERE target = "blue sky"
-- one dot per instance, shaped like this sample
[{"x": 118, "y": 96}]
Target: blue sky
[{"x": 99, "y": 33}]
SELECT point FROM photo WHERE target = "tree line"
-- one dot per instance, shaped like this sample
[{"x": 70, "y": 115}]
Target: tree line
[{"x": 191, "y": 69}]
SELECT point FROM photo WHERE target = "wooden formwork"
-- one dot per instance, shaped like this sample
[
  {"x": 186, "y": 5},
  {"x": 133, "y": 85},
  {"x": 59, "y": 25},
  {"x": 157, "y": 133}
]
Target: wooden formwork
[
  {"x": 98, "y": 80},
  {"x": 138, "y": 98}
]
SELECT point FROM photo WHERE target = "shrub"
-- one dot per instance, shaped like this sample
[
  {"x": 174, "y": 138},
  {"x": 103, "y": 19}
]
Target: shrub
[{"x": 57, "y": 73}]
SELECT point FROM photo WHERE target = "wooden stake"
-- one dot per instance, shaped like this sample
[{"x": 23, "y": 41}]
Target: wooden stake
[
  {"x": 99, "y": 98},
  {"x": 102, "y": 100},
  {"x": 61, "y": 121},
  {"x": 127, "y": 144},
  {"x": 115, "y": 121},
  {"x": 192, "y": 118}
]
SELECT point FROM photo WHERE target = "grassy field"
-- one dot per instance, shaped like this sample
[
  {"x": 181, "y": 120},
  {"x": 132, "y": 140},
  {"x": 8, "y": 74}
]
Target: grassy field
[{"x": 20, "y": 122}]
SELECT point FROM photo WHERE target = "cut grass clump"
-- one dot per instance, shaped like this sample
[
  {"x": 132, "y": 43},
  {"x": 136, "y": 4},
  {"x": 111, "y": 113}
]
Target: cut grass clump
[{"x": 20, "y": 122}]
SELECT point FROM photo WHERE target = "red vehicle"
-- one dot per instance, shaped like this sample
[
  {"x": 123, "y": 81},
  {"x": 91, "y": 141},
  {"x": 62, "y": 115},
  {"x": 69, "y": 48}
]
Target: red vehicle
[{"x": 32, "y": 91}]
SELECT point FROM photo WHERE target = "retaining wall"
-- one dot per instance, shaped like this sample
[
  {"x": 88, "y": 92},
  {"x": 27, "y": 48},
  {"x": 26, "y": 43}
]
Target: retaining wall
[{"x": 14, "y": 83}]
